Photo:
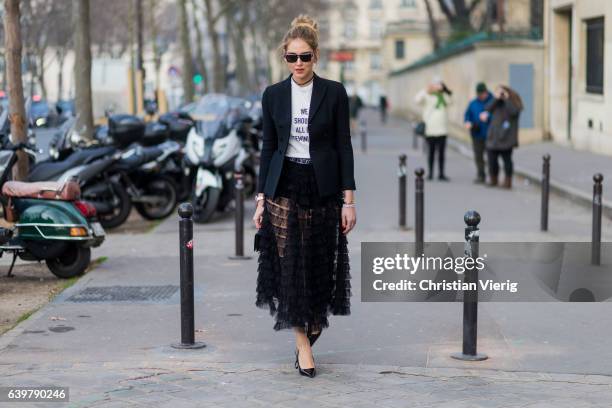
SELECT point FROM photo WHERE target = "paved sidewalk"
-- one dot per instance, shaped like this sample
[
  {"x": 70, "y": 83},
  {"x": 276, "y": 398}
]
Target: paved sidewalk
[
  {"x": 571, "y": 171},
  {"x": 118, "y": 354}
]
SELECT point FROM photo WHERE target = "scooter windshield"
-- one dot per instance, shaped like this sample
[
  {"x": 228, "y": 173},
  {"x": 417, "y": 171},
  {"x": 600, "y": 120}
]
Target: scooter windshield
[{"x": 212, "y": 129}]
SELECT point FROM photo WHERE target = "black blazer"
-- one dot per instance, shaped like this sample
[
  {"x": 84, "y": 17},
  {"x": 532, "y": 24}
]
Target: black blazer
[{"x": 329, "y": 136}]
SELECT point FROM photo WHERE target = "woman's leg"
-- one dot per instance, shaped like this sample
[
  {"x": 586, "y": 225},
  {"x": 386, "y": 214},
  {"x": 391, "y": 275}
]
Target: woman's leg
[
  {"x": 431, "y": 148},
  {"x": 303, "y": 345},
  {"x": 493, "y": 166},
  {"x": 508, "y": 167},
  {"x": 441, "y": 155}
]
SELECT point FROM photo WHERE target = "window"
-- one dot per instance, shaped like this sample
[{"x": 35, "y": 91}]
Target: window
[
  {"x": 375, "y": 4},
  {"x": 399, "y": 49},
  {"x": 349, "y": 30},
  {"x": 375, "y": 60},
  {"x": 376, "y": 30},
  {"x": 407, "y": 3},
  {"x": 595, "y": 55},
  {"x": 348, "y": 65}
]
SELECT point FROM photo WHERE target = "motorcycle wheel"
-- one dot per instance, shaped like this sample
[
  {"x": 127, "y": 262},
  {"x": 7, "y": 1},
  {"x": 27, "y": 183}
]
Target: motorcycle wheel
[
  {"x": 122, "y": 205},
  {"x": 71, "y": 263},
  {"x": 250, "y": 181},
  {"x": 162, "y": 186},
  {"x": 205, "y": 205}
]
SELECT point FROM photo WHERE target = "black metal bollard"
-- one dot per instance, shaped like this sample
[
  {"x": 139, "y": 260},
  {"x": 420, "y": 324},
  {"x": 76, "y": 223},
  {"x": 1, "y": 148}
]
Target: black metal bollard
[
  {"x": 239, "y": 216},
  {"x": 597, "y": 207},
  {"x": 185, "y": 211},
  {"x": 470, "y": 298},
  {"x": 419, "y": 209},
  {"x": 545, "y": 192},
  {"x": 364, "y": 142},
  {"x": 402, "y": 191}
]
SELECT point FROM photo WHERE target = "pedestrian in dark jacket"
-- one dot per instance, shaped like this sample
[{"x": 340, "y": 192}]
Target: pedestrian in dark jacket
[
  {"x": 502, "y": 137},
  {"x": 383, "y": 104},
  {"x": 355, "y": 105},
  {"x": 478, "y": 129}
]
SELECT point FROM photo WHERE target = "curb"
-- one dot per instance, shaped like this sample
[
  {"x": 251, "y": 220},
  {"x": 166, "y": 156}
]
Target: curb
[{"x": 574, "y": 195}]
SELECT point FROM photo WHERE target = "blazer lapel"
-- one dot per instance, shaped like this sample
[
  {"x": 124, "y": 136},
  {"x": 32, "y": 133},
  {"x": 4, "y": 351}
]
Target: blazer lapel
[
  {"x": 286, "y": 104},
  {"x": 318, "y": 92}
]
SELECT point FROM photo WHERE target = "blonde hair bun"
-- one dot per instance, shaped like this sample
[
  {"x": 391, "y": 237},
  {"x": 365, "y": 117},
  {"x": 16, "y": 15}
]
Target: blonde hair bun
[{"x": 305, "y": 20}]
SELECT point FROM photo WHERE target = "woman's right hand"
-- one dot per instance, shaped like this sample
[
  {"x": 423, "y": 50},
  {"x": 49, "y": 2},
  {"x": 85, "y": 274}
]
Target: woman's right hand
[{"x": 258, "y": 217}]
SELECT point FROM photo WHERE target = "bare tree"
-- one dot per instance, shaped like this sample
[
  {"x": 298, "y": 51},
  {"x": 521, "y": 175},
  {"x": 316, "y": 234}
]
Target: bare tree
[
  {"x": 433, "y": 26},
  {"x": 187, "y": 75},
  {"x": 238, "y": 21},
  {"x": 17, "y": 117},
  {"x": 274, "y": 16},
  {"x": 110, "y": 29},
  {"x": 459, "y": 13},
  {"x": 82, "y": 67},
  {"x": 200, "y": 47}
]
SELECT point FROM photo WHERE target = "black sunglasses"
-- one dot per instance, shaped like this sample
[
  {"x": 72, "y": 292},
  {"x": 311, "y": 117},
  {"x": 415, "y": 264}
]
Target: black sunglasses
[{"x": 305, "y": 57}]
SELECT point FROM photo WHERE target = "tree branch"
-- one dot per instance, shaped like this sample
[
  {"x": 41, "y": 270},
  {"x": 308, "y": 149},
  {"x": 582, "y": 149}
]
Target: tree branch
[
  {"x": 473, "y": 6},
  {"x": 447, "y": 12}
]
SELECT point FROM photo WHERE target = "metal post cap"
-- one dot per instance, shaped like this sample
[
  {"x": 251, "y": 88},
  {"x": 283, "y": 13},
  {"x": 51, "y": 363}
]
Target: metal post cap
[
  {"x": 471, "y": 218},
  {"x": 546, "y": 157},
  {"x": 419, "y": 172},
  {"x": 402, "y": 157},
  {"x": 598, "y": 178},
  {"x": 185, "y": 210}
]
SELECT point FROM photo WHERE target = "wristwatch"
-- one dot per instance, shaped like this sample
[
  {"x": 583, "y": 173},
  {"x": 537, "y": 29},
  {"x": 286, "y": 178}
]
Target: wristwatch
[{"x": 258, "y": 197}]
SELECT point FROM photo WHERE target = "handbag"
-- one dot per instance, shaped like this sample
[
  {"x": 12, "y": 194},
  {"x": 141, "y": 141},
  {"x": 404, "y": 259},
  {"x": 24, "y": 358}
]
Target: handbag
[
  {"x": 419, "y": 129},
  {"x": 257, "y": 241}
]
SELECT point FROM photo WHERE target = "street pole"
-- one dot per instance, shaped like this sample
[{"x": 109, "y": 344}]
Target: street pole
[
  {"x": 470, "y": 297},
  {"x": 597, "y": 211},
  {"x": 545, "y": 192},
  {"x": 402, "y": 191},
  {"x": 185, "y": 211},
  {"x": 419, "y": 209}
]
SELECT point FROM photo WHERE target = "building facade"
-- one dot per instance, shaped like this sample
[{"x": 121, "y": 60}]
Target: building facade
[
  {"x": 580, "y": 81},
  {"x": 378, "y": 35}
]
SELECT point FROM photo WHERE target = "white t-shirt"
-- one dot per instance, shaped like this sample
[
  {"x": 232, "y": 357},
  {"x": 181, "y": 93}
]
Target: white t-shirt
[{"x": 300, "y": 105}]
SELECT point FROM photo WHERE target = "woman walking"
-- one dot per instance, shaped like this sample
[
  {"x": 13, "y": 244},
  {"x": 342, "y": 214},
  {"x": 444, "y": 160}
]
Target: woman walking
[
  {"x": 305, "y": 200},
  {"x": 435, "y": 99},
  {"x": 502, "y": 137}
]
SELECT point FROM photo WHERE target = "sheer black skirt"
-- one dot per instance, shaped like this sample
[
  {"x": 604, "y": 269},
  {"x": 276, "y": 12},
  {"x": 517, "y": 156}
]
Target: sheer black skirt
[{"x": 303, "y": 268}]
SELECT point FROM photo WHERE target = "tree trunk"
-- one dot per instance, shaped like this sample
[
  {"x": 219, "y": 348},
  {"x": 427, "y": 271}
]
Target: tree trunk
[
  {"x": 82, "y": 68},
  {"x": 40, "y": 73},
  {"x": 218, "y": 65},
  {"x": 12, "y": 36},
  {"x": 61, "y": 57},
  {"x": 200, "y": 50},
  {"x": 188, "y": 88},
  {"x": 433, "y": 26},
  {"x": 156, "y": 54},
  {"x": 242, "y": 67}
]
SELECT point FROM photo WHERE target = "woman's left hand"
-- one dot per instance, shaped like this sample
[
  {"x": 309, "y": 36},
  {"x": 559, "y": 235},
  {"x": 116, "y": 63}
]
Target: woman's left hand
[{"x": 349, "y": 219}]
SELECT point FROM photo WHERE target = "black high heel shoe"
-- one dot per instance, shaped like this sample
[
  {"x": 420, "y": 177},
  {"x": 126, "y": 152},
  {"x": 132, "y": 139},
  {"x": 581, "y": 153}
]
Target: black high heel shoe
[
  {"x": 308, "y": 372},
  {"x": 312, "y": 337}
]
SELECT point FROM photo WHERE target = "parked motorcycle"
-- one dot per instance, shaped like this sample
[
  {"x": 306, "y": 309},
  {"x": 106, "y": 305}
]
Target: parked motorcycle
[
  {"x": 51, "y": 224},
  {"x": 215, "y": 151},
  {"x": 135, "y": 174}
]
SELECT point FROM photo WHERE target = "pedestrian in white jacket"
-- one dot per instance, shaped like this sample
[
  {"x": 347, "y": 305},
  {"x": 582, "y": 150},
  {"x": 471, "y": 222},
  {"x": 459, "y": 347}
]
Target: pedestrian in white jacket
[{"x": 435, "y": 100}]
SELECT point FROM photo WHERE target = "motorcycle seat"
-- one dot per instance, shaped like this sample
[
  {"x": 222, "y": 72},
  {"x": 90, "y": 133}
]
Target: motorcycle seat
[
  {"x": 49, "y": 170},
  {"x": 48, "y": 190}
]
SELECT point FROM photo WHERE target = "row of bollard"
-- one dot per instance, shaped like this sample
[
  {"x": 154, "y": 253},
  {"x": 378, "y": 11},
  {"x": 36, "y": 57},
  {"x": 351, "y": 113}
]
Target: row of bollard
[
  {"x": 419, "y": 207},
  {"x": 471, "y": 218},
  {"x": 597, "y": 208}
]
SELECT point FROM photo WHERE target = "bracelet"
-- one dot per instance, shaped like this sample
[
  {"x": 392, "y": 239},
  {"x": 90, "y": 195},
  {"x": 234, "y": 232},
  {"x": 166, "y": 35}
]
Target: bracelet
[
  {"x": 348, "y": 205},
  {"x": 259, "y": 197}
]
